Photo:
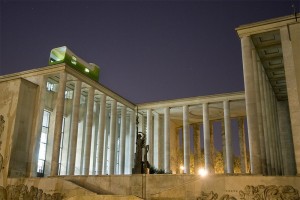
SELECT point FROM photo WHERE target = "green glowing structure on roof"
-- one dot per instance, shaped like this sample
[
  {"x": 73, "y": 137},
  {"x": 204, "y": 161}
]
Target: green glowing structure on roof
[{"x": 65, "y": 55}]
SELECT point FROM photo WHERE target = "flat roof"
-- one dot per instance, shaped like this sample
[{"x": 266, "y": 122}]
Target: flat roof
[{"x": 267, "y": 25}]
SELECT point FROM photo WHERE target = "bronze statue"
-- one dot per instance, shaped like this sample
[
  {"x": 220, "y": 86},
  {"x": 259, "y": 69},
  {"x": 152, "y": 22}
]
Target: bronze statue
[{"x": 140, "y": 166}]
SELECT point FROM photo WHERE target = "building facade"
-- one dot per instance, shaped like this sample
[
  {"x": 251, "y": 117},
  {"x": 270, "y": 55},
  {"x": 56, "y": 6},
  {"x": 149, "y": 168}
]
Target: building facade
[
  {"x": 270, "y": 51},
  {"x": 57, "y": 121},
  {"x": 63, "y": 123}
]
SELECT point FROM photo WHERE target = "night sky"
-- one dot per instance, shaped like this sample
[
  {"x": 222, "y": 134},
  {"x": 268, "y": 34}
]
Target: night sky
[{"x": 146, "y": 50}]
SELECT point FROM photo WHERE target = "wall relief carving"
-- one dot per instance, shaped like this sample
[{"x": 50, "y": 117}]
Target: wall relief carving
[
  {"x": 3, "y": 195},
  {"x": 260, "y": 192},
  {"x": 17, "y": 192},
  {"x": 263, "y": 192},
  {"x": 214, "y": 196}
]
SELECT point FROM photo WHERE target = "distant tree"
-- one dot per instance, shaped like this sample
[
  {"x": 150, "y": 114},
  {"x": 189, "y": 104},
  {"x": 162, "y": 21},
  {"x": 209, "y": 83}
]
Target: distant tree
[
  {"x": 219, "y": 162},
  {"x": 179, "y": 159},
  {"x": 236, "y": 164},
  {"x": 248, "y": 163},
  {"x": 192, "y": 164}
]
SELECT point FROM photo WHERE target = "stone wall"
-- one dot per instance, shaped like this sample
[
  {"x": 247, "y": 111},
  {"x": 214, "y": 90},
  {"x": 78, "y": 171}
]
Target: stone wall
[
  {"x": 21, "y": 136},
  {"x": 235, "y": 187},
  {"x": 167, "y": 186},
  {"x": 8, "y": 106},
  {"x": 50, "y": 186}
]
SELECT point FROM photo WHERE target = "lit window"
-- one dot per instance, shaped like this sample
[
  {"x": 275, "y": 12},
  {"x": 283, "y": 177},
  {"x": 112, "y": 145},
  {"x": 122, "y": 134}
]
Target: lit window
[
  {"x": 68, "y": 94},
  {"x": 61, "y": 145},
  {"x": 43, "y": 144},
  {"x": 50, "y": 86},
  {"x": 73, "y": 60}
]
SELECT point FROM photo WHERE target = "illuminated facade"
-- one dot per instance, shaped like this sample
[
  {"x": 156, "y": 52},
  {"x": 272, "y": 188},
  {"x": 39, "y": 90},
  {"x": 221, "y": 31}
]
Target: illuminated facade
[
  {"x": 57, "y": 121},
  {"x": 76, "y": 126}
]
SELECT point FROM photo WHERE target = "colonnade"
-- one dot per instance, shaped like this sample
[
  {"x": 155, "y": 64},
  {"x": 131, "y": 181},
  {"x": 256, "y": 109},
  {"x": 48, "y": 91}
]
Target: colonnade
[
  {"x": 264, "y": 123},
  {"x": 168, "y": 133},
  {"x": 99, "y": 131}
]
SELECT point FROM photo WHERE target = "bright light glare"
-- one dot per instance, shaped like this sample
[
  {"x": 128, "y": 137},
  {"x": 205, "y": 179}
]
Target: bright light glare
[
  {"x": 182, "y": 167},
  {"x": 87, "y": 70},
  {"x": 202, "y": 172}
]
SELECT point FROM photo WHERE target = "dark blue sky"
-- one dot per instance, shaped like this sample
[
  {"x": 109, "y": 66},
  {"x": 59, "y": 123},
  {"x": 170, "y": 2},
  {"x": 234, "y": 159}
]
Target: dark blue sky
[{"x": 147, "y": 50}]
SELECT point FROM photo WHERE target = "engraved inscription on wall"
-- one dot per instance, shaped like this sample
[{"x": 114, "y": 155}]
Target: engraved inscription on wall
[
  {"x": 260, "y": 192},
  {"x": 22, "y": 192}
]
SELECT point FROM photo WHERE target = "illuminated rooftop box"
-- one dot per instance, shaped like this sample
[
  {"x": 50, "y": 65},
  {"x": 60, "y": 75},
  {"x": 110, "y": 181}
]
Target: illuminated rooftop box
[{"x": 65, "y": 55}]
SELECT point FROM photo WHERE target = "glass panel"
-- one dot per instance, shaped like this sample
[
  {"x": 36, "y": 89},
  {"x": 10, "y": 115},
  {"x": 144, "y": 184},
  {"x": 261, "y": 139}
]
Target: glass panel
[
  {"x": 45, "y": 130},
  {"x": 59, "y": 160},
  {"x": 63, "y": 125},
  {"x": 40, "y": 167},
  {"x": 61, "y": 141},
  {"x": 42, "y": 152},
  {"x": 50, "y": 86},
  {"x": 57, "y": 55},
  {"x": 61, "y": 144},
  {"x": 59, "y": 169},
  {"x": 43, "y": 141},
  {"x": 46, "y": 119},
  {"x": 68, "y": 94},
  {"x": 73, "y": 60},
  {"x": 43, "y": 138}
]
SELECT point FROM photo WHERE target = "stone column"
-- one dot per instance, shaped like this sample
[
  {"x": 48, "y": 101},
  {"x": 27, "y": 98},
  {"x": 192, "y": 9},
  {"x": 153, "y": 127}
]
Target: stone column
[
  {"x": 112, "y": 138},
  {"x": 88, "y": 131},
  {"x": 206, "y": 133},
  {"x": 250, "y": 95},
  {"x": 159, "y": 141},
  {"x": 74, "y": 127},
  {"x": 212, "y": 146},
  {"x": 155, "y": 139},
  {"x": 288, "y": 154},
  {"x": 228, "y": 137},
  {"x": 122, "y": 140},
  {"x": 132, "y": 139},
  {"x": 167, "y": 139},
  {"x": 268, "y": 125},
  {"x": 197, "y": 148},
  {"x": 95, "y": 136},
  {"x": 259, "y": 112},
  {"x": 186, "y": 140},
  {"x": 242, "y": 144},
  {"x": 101, "y": 130},
  {"x": 275, "y": 126},
  {"x": 263, "y": 101},
  {"x": 105, "y": 165},
  {"x": 150, "y": 135},
  {"x": 59, "y": 107},
  {"x": 224, "y": 146},
  {"x": 271, "y": 128},
  {"x": 292, "y": 82},
  {"x": 37, "y": 129},
  {"x": 278, "y": 137}
]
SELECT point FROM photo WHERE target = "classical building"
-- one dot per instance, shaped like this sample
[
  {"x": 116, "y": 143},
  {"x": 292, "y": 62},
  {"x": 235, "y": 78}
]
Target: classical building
[
  {"x": 59, "y": 123},
  {"x": 271, "y": 63}
]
